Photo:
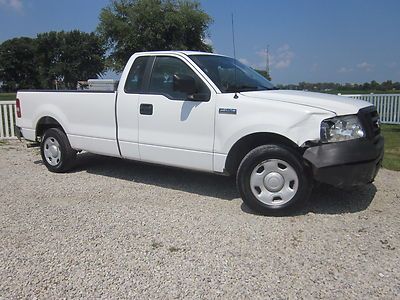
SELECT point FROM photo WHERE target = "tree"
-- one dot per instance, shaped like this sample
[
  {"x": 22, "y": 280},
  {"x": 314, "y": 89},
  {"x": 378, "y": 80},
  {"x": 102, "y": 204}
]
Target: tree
[
  {"x": 346, "y": 87},
  {"x": 63, "y": 56},
  {"x": 48, "y": 57},
  {"x": 68, "y": 57},
  {"x": 374, "y": 85},
  {"x": 387, "y": 85},
  {"x": 129, "y": 26},
  {"x": 265, "y": 74},
  {"x": 17, "y": 64}
]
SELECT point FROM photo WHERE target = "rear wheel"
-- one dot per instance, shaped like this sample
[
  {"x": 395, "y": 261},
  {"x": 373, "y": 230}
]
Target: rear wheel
[
  {"x": 273, "y": 180},
  {"x": 56, "y": 151}
]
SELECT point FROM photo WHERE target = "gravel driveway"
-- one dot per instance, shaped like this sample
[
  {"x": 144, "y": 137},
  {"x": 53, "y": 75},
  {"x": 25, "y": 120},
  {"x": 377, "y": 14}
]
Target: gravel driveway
[{"x": 118, "y": 229}]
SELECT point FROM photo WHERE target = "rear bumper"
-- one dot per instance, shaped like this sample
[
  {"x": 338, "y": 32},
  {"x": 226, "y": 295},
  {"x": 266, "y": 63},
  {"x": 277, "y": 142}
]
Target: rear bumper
[
  {"x": 24, "y": 133},
  {"x": 18, "y": 132},
  {"x": 347, "y": 163}
]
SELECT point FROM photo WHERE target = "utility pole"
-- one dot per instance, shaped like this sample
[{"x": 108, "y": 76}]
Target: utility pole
[
  {"x": 267, "y": 60},
  {"x": 267, "y": 69}
]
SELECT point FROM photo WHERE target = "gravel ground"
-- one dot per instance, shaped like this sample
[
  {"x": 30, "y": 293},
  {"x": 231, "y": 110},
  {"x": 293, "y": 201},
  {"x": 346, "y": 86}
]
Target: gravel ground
[{"x": 120, "y": 229}]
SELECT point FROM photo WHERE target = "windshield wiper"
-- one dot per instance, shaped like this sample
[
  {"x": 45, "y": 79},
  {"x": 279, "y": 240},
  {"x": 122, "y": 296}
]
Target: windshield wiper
[
  {"x": 248, "y": 88},
  {"x": 241, "y": 88},
  {"x": 269, "y": 88}
]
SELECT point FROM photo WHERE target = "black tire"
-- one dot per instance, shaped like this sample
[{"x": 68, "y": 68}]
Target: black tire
[
  {"x": 65, "y": 160},
  {"x": 272, "y": 154}
]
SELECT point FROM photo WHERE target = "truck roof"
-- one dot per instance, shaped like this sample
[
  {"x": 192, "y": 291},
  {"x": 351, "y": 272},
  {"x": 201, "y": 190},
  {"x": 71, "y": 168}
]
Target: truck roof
[{"x": 176, "y": 52}]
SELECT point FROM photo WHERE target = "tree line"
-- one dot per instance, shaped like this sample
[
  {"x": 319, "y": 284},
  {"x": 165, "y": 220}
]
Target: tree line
[
  {"x": 60, "y": 59},
  {"x": 387, "y": 85},
  {"x": 50, "y": 59}
]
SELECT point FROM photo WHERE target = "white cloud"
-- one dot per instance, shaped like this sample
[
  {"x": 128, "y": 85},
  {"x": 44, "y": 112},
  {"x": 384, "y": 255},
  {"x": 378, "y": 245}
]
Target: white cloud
[
  {"x": 208, "y": 41},
  {"x": 13, "y": 4},
  {"x": 281, "y": 59},
  {"x": 365, "y": 66},
  {"x": 345, "y": 70},
  {"x": 263, "y": 55},
  {"x": 284, "y": 57},
  {"x": 314, "y": 67},
  {"x": 244, "y": 61}
]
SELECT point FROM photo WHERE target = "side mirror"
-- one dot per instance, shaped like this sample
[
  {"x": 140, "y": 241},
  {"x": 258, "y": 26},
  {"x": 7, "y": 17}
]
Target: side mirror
[{"x": 184, "y": 83}]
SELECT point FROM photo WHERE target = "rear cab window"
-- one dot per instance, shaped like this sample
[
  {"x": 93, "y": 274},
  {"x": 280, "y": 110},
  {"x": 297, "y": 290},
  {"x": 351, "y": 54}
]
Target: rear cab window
[{"x": 135, "y": 82}]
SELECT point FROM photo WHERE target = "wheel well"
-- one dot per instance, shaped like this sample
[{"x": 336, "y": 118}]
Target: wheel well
[
  {"x": 250, "y": 142},
  {"x": 46, "y": 123}
]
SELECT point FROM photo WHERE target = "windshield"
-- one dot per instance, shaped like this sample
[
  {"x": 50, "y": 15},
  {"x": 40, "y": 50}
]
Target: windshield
[{"x": 221, "y": 70}]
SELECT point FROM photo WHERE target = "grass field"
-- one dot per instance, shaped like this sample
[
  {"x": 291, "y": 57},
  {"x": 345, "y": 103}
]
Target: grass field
[
  {"x": 391, "y": 160},
  {"x": 335, "y": 92},
  {"x": 7, "y": 96}
]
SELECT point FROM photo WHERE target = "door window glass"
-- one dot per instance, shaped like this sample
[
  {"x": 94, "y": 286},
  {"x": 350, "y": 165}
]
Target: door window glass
[{"x": 161, "y": 81}]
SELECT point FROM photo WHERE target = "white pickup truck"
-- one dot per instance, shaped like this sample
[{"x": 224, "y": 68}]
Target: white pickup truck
[{"x": 211, "y": 113}]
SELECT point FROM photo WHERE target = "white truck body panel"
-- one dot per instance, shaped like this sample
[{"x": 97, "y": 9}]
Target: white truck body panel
[
  {"x": 172, "y": 135},
  {"x": 87, "y": 118},
  {"x": 128, "y": 125},
  {"x": 179, "y": 133},
  {"x": 187, "y": 134},
  {"x": 258, "y": 115},
  {"x": 336, "y": 104}
]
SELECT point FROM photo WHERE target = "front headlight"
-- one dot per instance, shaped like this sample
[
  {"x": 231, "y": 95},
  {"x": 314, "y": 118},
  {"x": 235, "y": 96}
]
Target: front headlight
[{"x": 339, "y": 129}]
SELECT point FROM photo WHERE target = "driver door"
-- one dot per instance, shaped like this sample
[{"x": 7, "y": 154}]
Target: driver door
[{"x": 173, "y": 129}]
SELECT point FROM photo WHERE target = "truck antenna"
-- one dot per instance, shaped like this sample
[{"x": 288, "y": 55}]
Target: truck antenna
[
  {"x": 234, "y": 57},
  {"x": 267, "y": 62}
]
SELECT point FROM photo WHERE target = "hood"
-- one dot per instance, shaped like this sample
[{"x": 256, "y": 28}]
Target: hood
[{"x": 339, "y": 105}]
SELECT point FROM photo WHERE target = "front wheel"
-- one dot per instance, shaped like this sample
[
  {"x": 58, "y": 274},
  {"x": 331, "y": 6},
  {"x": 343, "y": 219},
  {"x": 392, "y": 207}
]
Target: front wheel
[
  {"x": 56, "y": 151},
  {"x": 273, "y": 180}
]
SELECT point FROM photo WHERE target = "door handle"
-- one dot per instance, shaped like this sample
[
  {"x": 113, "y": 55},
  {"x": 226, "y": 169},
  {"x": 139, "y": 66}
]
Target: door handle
[{"x": 146, "y": 109}]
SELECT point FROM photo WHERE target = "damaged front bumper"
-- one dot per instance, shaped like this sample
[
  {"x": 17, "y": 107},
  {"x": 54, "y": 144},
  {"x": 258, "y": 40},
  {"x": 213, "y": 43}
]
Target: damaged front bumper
[{"x": 348, "y": 163}]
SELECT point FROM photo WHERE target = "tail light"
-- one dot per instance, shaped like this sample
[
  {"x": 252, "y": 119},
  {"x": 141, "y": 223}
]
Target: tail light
[{"x": 18, "y": 108}]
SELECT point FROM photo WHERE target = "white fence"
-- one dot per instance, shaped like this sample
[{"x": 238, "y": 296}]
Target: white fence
[
  {"x": 7, "y": 119},
  {"x": 388, "y": 106}
]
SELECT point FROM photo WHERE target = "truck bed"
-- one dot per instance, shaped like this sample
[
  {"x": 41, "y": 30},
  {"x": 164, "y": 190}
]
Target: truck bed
[{"x": 88, "y": 117}]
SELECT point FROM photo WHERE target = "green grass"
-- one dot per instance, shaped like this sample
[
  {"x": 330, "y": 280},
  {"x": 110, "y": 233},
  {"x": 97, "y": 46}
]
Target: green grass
[
  {"x": 7, "y": 96},
  {"x": 335, "y": 92},
  {"x": 391, "y": 134}
]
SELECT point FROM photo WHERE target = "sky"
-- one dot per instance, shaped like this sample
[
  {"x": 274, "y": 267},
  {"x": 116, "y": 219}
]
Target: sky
[{"x": 309, "y": 40}]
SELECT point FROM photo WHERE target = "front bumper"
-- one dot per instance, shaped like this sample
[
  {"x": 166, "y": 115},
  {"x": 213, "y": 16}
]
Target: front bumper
[{"x": 349, "y": 163}]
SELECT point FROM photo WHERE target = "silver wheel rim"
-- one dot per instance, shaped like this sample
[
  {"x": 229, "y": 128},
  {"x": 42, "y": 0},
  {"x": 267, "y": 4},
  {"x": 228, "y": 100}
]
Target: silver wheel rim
[
  {"x": 274, "y": 182},
  {"x": 52, "y": 151}
]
